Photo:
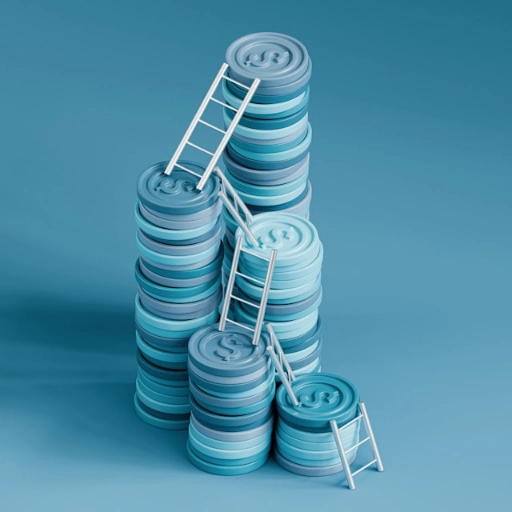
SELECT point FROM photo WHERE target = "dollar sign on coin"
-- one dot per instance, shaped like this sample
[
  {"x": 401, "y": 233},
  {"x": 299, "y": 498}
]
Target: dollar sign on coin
[
  {"x": 174, "y": 186},
  {"x": 274, "y": 239},
  {"x": 266, "y": 58},
  {"x": 228, "y": 350},
  {"x": 316, "y": 400}
]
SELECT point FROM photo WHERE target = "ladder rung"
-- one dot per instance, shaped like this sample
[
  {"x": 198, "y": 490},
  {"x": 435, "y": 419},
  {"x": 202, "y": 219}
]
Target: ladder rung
[
  {"x": 239, "y": 325},
  {"x": 235, "y": 82},
  {"x": 199, "y": 147},
  {"x": 215, "y": 100},
  {"x": 255, "y": 255},
  {"x": 357, "y": 445},
  {"x": 188, "y": 170},
  {"x": 246, "y": 302},
  {"x": 357, "y": 418},
  {"x": 210, "y": 126},
  {"x": 364, "y": 467},
  {"x": 250, "y": 278}
]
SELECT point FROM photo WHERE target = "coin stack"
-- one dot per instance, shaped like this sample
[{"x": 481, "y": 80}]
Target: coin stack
[
  {"x": 178, "y": 278},
  {"x": 295, "y": 290},
  {"x": 267, "y": 158},
  {"x": 304, "y": 440},
  {"x": 232, "y": 391}
]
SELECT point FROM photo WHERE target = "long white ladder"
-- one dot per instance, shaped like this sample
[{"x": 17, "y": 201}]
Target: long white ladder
[{"x": 185, "y": 141}]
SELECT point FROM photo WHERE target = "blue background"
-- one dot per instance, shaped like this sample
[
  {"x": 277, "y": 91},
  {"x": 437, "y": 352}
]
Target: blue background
[{"x": 411, "y": 171}]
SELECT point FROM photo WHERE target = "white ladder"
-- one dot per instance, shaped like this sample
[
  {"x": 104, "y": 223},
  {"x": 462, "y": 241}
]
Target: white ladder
[
  {"x": 363, "y": 414},
  {"x": 185, "y": 141},
  {"x": 264, "y": 296}
]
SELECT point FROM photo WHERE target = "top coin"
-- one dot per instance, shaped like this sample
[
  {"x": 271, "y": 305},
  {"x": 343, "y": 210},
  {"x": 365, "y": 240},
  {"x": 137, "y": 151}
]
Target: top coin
[
  {"x": 176, "y": 194},
  {"x": 227, "y": 353},
  {"x": 294, "y": 238},
  {"x": 276, "y": 59},
  {"x": 322, "y": 397}
]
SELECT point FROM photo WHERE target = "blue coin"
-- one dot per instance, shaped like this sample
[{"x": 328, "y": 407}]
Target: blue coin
[
  {"x": 159, "y": 414},
  {"x": 166, "y": 382},
  {"x": 306, "y": 340},
  {"x": 299, "y": 206},
  {"x": 268, "y": 165},
  {"x": 308, "y": 358},
  {"x": 208, "y": 400},
  {"x": 180, "y": 250},
  {"x": 181, "y": 311},
  {"x": 158, "y": 422},
  {"x": 322, "y": 397},
  {"x": 177, "y": 193},
  {"x": 260, "y": 388},
  {"x": 171, "y": 282},
  {"x": 167, "y": 344},
  {"x": 230, "y": 423},
  {"x": 227, "y": 353},
  {"x": 266, "y": 437},
  {"x": 276, "y": 59},
  {"x": 224, "y": 470},
  {"x": 178, "y": 295},
  {"x": 163, "y": 220},
  {"x": 172, "y": 235},
  {"x": 159, "y": 402},
  {"x": 168, "y": 360},
  {"x": 162, "y": 374},
  {"x": 269, "y": 124},
  {"x": 268, "y": 110},
  {"x": 292, "y": 452},
  {"x": 179, "y": 394},
  {"x": 178, "y": 273},
  {"x": 281, "y": 94},
  {"x": 306, "y": 470},
  {"x": 233, "y": 437}
]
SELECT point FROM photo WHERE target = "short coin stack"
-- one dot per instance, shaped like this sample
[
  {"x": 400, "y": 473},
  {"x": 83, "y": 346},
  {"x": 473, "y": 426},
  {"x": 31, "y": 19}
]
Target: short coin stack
[
  {"x": 232, "y": 390},
  {"x": 267, "y": 158},
  {"x": 304, "y": 440},
  {"x": 178, "y": 276},
  {"x": 295, "y": 290}
]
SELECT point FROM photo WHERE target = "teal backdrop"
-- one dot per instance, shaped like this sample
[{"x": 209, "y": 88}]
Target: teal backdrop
[{"x": 412, "y": 197}]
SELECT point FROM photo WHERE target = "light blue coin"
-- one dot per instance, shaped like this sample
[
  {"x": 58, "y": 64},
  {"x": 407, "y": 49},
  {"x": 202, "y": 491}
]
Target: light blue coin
[
  {"x": 162, "y": 326},
  {"x": 266, "y": 437},
  {"x": 181, "y": 221},
  {"x": 267, "y": 136},
  {"x": 261, "y": 165},
  {"x": 314, "y": 367},
  {"x": 180, "y": 311},
  {"x": 224, "y": 470},
  {"x": 171, "y": 360},
  {"x": 307, "y": 359},
  {"x": 299, "y": 206},
  {"x": 308, "y": 470},
  {"x": 269, "y": 124},
  {"x": 158, "y": 422},
  {"x": 291, "y": 452},
  {"x": 265, "y": 177},
  {"x": 267, "y": 110},
  {"x": 306, "y": 460},
  {"x": 233, "y": 437},
  {"x": 166, "y": 344},
  {"x": 322, "y": 397},
  {"x": 206, "y": 399},
  {"x": 159, "y": 406},
  {"x": 226, "y": 378},
  {"x": 170, "y": 234},
  {"x": 160, "y": 397},
  {"x": 283, "y": 156},
  {"x": 295, "y": 239},
  {"x": 305, "y": 340},
  {"x": 273, "y": 146},
  {"x": 242, "y": 394},
  {"x": 301, "y": 354},
  {"x": 276, "y": 59},
  {"x": 281, "y": 93},
  {"x": 180, "y": 250},
  {"x": 180, "y": 394},
  {"x": 167, "y": 381},
  {"x": 221, "y": 461}
]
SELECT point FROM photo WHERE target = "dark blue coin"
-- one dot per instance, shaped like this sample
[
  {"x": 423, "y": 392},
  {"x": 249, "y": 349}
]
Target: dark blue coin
[
  {"x": 269, "y": 124},
  {"x": 158, "y": 372},
  {"x": 256, "y": 164},
  {"x": 162, "y": 415}
]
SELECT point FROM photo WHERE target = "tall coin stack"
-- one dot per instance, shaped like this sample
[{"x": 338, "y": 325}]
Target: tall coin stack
[
  {"x": 178, "y": 276},
  {"x": 267, "y": 158},
  {"x": 295, "y": 290},
  {"x": 232, "y": 390}
]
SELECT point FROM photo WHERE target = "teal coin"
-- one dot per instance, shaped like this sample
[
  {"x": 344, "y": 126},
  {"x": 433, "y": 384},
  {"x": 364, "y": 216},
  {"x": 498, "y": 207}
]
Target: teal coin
[
  {"x": 269, "y": 124},
  {"x": 161, "y": 397},
  {"x": 170, "y": 360},
  {"x": 224, "y": 470},
  {"x": 228, "y": 353},
  {"x": 291, "y": 452},
  {"x": 295, "y": 239},
  {"x": 301, "y": 354},
  {"x": 307, "y": 470},
  {"x": 159, "y": 422},
  {"x": 176, "y": 193},
  {"x": 179, "y": 394},
  {"x": 269, "y": 146},
  {"x": 176, "y": 222},
  {"x": 226, "y": 379},
  {"x": 312, "y": 357},
  {"x": 307, "y": 339},
  {"x": 156, "y": 405},
  {"x": 322, "y": 397},
  {"x": 159, "y": 374},
  {"x": 242, "y": 394},
  {"x": 265, "y": 438},
  {"x": 177, "y": 345},
  {"x": 282, "y": 93}
]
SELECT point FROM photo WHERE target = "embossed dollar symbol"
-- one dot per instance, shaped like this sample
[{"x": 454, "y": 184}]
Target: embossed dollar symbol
[
  {"x": 228, "y": 350},
  {"x": 275, "y": 237},
  {"x": 317, "y": 398},
  {"x": 266, "y": 58},
  {"x": 172, "y": 186}
]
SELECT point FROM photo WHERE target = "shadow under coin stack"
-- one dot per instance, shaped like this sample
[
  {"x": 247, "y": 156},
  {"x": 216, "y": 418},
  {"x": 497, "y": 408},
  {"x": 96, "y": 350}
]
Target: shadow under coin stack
[
  {"x": 178, "y": 278},
  {"x": 232, "y": 390},
  {"x": 295, "y": 290},
  {"x": 304, "y": 440},
  {"x": 267, "y": 158}
]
